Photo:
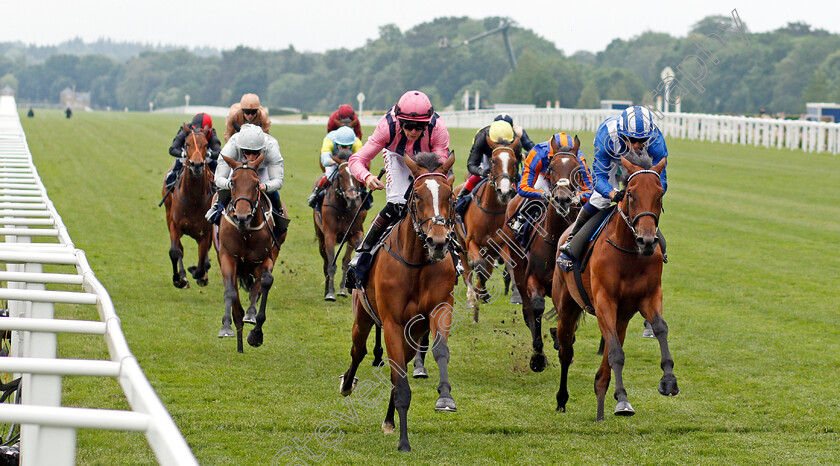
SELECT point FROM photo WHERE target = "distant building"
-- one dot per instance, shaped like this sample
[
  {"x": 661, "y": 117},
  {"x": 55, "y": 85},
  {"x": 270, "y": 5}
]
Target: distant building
[
  {"x": 72, "y": 99},
  {"x": 823, "y": 111}
]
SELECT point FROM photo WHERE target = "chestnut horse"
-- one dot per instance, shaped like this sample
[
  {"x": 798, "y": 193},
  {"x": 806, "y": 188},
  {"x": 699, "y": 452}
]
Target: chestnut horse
[
  {"x": 624, "y": 275},
  {"x": 186, "y": 204},
  {"x": 484, "y": 220},
  {"x": 333, "y": 222},
  {"x": 533, "y": 270},
  {"x": 410, "y": 290},
  {"x": 247, "y": 250}
]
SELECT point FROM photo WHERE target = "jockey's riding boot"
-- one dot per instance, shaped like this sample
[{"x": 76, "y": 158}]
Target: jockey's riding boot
[
  {"x": 215, "y": 213},
  {"x": 360, "y": 263},
  {"x": 581, "y": 220},
  {"x": 313, "y": 198},
  {"x": 462, "y": 201}
]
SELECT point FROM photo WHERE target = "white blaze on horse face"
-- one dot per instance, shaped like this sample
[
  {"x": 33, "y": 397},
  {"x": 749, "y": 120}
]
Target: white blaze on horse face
[
  {"x": 348, "y": 170},
  {"x": 504, "y": 185},
  {"x": 433, "y": 188}
]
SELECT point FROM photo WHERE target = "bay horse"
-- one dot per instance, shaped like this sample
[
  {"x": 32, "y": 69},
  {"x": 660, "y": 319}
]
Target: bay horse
[
  {"x": 333, "y": 222},
  {"x": 624, "y": 275},
  {"x": 480, "y": 235},
  {"x": 186, "y": 204},
  {"x": 533, "y": 269},
  {"x": 409, "y": 290},
  {"x": 247, "y": 250}
]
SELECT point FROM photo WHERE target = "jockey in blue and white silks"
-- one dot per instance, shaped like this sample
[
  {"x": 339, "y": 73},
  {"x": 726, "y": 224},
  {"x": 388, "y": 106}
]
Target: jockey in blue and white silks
[{"x": 630, "y": 134}]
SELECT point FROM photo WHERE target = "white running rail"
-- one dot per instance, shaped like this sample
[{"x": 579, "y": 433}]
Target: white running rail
[
  {"x": 48, "y": 430},
  {"x": 809, "y": 136}
]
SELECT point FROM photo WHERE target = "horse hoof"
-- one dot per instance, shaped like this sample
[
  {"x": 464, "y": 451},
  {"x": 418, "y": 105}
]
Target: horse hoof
[
  {"x": 404, "y": 447},
  {"x": 378, "y": 362},
  {"x": 515, "y": 299},
  {"x": 180, "y": 282},
  {"x": 192, "y": 269},
  {"x": 668, "y": 387},
  {"x": 201, "y": 281},
  {"x": 623, "y": 408},
  {"x": 250, "y": 317},
  {"x": 226, "y": 332},
  {"x": 387, "y": 428},
  {"x": 446, "y": 404},
  {"x": 255, "y": 338},
  {"x": 341, "y": 389},
  {"x": 420, "y": 373},
  {"x": 342, "y": 292},
  {"x": 648, "y": 332},
  {"x": 329, "y": 297},
  {"x": 538, "y": 362}
]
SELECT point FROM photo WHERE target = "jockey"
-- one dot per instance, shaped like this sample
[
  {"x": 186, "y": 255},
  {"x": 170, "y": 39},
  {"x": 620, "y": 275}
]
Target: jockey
[
  {"x": 500, "y": 132},
  {"x": 247, "y": 145},
  {"x": 535, "y": 183},
  {"x": 341, "y": 138},
  {"x": 345, "y": 116},
  {"x": 248, "y": 110},
  {"x": 199, "y": 121},
  {"x": 631, "y": 133},
  {"x": 408, "y": 128}
]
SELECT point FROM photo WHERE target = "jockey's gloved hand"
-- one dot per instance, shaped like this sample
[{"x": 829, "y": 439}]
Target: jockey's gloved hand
[
  {"x": 619, "y": 195},
  {"x": 546, "y": 196}
]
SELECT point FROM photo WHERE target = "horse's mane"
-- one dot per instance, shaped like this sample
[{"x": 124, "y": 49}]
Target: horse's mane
[
  {"x": 427, "y": 160},
  {"x": 640, "y": 159}
]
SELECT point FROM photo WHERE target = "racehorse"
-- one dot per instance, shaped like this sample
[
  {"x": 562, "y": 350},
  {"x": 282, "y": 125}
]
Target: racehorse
[
  {"x": 409, "y": 290},
  {"x": 481, "y": 241},
  {"x": 186, "y": 204},
  {"x": 333, "y": 222},
  {"x": 533, "y": 270},
  {"x": 624, "y": 275},
  {"x": 247, "y": 250}
]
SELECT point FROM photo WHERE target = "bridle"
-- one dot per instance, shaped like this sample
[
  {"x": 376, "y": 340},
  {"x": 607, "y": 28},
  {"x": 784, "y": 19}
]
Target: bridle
[
  {"x": 563, "y": 183},
  {"x": 196, "y": 167},
  {"x": 501, "y": 176},
  {"x": 631, "y": 223},
  {"x": 340, "y": 190},
  {"x": 435, "y": 219},
  {"x": 254, "y": 204}
]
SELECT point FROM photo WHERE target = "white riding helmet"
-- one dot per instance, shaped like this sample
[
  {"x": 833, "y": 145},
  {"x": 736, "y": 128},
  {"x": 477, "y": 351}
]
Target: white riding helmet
[
  {"x": 345, "y": 136},
  {"x": 251, "y": 137}
]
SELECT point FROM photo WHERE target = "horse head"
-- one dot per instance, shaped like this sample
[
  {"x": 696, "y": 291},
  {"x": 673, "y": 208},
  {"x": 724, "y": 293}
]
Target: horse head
[
  {"x": 564, "y": 176},
  {"x": 245, "y": 191},
  {"x": 195, "y": 146},
  {"x": 642, "y": 203},
  {"x": 346, "y": 187},
  {"x": 503, "y": 169},
  {"x": 430, "y": 204}
]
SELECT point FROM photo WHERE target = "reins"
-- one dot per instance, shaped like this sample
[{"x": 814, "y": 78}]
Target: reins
[{"x": 630, "y": 223}]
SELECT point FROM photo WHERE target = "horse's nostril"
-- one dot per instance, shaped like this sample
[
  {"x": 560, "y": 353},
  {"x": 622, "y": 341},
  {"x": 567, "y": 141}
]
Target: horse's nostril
[{"x": 640, "y": 241}]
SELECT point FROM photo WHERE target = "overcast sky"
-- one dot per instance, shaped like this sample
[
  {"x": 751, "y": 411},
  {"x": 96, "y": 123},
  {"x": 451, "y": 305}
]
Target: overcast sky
[{"x": 320, "y": 25}]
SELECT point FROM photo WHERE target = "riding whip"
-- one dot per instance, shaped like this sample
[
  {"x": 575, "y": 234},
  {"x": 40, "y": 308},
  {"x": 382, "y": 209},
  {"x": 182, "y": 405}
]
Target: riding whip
[{"x": 344, "y": 237}]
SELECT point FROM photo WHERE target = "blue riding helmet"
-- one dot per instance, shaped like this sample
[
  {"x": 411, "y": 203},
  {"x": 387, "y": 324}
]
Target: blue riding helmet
[
  {"x": 345, "y": 136},
  {"x": 636, "y": 122}
]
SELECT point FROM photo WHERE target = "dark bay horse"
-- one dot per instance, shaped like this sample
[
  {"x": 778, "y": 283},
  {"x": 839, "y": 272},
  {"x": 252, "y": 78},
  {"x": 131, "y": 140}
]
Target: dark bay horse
[
  {"x": 185, "y": 208},
  {"x": 624, "y": 275},
  {"x": 247, "y": 250},
  {"x": 484, "y": 219},
  {"x": 410, "y": 290},
  {"x": 341, "y": 201},
  {"x": 533, "y": 270}
]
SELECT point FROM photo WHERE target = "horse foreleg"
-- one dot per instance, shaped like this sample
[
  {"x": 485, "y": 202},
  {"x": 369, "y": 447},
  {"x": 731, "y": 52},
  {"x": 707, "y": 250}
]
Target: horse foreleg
[
  {"x": 668, "y": 383},
  {"x": 568, "y": 314},
  {"x": 533, "y": 317},
  {"x": 176, "y": 255},
  {"x": 612, "y": 361},
  {"x": 361, "y": 329},
  {"x": 329, "y": 269},
  {"x": 419, "y": 360},
  {"x": 440, "y": 323},
  {"x": 377, "y": 348},
  {"x": 200, "y": 273},
  {"x": 231, "y": 296},
  {"x": 255, "y": 336},
  {"x": 397, "y": 350}
]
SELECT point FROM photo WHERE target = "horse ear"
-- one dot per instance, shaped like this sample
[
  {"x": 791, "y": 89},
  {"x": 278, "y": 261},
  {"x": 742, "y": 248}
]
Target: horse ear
[
  {"x": 577, "y": 145},
  {"x": 415, "y": 169},
  {"x": 660, "y": 166},
  {"x": 447, "y": 164},
  {"x": 186, "y": 128},
  {"x": 629, "y": 166},
  {"x": 206, "y": 130},
  {"x": 490, "y": 142},
  {"x": 258, "y": 161},
  {"x": 230, "y": 162}
]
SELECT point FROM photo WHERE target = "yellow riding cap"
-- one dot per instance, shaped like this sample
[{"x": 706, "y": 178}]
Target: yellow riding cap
[{"x": 501, "y": 131}]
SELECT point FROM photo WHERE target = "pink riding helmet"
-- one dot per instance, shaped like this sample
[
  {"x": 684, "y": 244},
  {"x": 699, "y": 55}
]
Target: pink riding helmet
[{"x": 414, "y": 106}]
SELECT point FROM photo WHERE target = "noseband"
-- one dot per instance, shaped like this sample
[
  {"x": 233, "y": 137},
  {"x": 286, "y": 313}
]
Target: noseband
[
  {"x": 255, "y": 204},
  {"x": 631, "y": 223},
  {"x": 195, "y": 166},
  {"x": 340, "y": 190},
  {"x": 435, "y": 219},
  {"x": 563, "y": 183},
  {"x": 501, "y": 176}
]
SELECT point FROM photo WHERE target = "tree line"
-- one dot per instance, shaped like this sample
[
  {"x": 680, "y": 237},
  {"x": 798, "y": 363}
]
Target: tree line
[{"x": 733, "y": 70}]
